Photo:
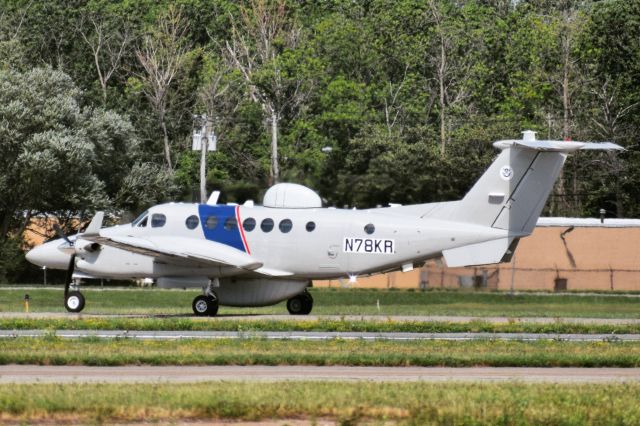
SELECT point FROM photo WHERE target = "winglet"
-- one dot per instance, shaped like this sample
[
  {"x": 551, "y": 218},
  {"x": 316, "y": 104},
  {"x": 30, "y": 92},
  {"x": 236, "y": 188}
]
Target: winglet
[{"x": 95, "y": 225}]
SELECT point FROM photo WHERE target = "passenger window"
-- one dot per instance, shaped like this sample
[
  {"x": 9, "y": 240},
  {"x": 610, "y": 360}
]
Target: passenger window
[
  {"x": 158, "y": 220},
  {"x": 192, "y": 222},
  {"x": 143, "y": 222},
  {"x": 230, "y": 224},
  {"x": 249, "y": 224},
  {"x": 266, "y": 225},
  {"x": 369, "y": 228},
  {"x": 311, "y": 226},
  {"x": 285, "y": 226},
  {"x": 211, "y": 222}
]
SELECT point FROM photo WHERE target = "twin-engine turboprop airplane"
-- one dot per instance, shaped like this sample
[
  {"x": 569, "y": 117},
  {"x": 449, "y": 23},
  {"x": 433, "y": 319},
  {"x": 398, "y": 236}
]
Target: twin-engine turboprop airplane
[{"x": 247, "y": 255}]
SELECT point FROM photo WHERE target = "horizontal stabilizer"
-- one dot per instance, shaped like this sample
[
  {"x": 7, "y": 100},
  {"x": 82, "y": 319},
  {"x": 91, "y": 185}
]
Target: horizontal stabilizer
[
  {"x": 558, "y": 146},
  {"x": 485, "y": 253}
]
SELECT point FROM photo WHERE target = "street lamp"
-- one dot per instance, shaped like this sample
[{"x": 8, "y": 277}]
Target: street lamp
[{"x": 203, "y": 139}]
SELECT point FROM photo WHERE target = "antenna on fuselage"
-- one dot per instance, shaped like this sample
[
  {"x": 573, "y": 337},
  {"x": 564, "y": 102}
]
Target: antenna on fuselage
[{"x": 213, "y": 199}]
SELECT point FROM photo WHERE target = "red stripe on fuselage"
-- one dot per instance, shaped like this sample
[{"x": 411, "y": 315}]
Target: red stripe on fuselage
[{"x": 244, "y": 239}]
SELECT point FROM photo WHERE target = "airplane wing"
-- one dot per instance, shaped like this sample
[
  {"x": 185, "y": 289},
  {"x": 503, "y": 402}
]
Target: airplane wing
[{"x": 178, "y": 250}]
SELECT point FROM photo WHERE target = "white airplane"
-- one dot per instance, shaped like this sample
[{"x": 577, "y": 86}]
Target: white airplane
[{"x": 248, "y": 255}]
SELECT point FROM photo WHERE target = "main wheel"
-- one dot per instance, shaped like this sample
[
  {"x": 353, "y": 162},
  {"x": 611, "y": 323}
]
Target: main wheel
[
  {"x": 74, "y": 301},
  {"x": 300, "y": 304},
  {"x": 204, "y": 306}
]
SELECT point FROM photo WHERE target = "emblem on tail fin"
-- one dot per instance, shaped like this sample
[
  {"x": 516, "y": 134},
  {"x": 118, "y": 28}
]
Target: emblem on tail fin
[{"x": 506, "y": 172}]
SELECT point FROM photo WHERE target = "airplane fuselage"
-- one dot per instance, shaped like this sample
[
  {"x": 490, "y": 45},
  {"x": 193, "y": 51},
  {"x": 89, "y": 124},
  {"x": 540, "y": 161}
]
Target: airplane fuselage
[{"x": 311, "y": 243}]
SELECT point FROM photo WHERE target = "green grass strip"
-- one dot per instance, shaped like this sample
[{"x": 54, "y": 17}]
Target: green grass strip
[
  {"x": 115, "y": 352},
  {"x": 213, "y": 324},
  {"x": 343, "y": 302},
  {"x": 347, "y": 403}
]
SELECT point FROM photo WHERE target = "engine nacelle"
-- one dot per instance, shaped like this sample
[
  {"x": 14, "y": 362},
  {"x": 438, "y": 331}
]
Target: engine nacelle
[
  {"x": 241, "y": 291},
  {"x": 257, "y": 291}
]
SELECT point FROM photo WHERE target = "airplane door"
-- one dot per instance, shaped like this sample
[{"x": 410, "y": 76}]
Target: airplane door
[{"x": 333, "y": 259}]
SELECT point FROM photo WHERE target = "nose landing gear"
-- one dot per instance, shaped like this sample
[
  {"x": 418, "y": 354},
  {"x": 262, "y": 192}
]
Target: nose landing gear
[
  {"x": 300, "y": 304},
  {"x": 74, "y": 301}
]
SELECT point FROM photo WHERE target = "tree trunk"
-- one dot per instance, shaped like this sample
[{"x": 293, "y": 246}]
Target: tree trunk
[
  {"x": 562, "y": 206},
  {"x": 443, "y": 59},
  {"x": 275, "y": 171},
  {"x": 167, "y": 148},
  {"x": 4, "y": 227}
]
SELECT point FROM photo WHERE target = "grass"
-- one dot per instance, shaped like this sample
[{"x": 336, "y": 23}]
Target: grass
[
  {"x": 347, "y": 403},
  {"x": 339, "y": 325},
  {"x": 343, "y": 302},
  {"x": 51, "y": 350}
]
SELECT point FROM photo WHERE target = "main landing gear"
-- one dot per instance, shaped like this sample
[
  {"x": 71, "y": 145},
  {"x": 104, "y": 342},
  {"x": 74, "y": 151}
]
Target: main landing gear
[
  {"x": 300, "y": 304},
  {"x": 206, "y": 305}
]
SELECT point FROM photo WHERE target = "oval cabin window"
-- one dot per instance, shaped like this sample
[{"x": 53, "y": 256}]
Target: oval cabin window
[
  {"x": 266, "y": 225},
  {"x": 285, "y": 225},
  {"x": 249, "y": 224},
  {"x": 192, "y": 222}
]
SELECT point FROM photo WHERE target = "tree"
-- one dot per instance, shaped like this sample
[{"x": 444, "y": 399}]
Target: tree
[
  {"x": 260, "y": 36},
  {"x": 59, "y": 158},
  {"x": 109, "y": 38},
  {"x": 164, "y": 53}
]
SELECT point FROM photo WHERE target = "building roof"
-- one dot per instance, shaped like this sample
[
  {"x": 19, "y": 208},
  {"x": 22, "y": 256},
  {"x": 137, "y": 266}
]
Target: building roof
[{"x": 588, "y": 222}]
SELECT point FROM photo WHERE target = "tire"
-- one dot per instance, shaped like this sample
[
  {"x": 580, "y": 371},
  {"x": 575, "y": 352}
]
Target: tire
[
  {"x": 74, "y": 301},
  {"x": 300, "y": 304},
  {"x": 308, "y": 303},
  {"x": 205, "y": 306}
]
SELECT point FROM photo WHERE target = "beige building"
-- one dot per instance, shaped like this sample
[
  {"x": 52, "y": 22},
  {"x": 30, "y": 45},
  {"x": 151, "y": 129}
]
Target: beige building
[{"x": 561, "y": 254}]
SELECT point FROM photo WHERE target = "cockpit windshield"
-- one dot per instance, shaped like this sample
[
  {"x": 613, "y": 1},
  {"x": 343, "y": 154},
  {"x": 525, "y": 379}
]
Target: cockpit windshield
[{"x": 139, "y": 218}]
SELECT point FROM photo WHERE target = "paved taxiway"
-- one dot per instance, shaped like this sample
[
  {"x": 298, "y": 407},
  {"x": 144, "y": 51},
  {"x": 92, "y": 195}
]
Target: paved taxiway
[
  {"x": 148, "y": 374},
  {"x": 383, "y": 318},
  {"x": 314, "y": 335}
]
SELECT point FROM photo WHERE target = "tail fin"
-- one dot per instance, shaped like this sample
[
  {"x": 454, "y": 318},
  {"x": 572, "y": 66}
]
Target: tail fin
[{"x": 510, "y": 195}]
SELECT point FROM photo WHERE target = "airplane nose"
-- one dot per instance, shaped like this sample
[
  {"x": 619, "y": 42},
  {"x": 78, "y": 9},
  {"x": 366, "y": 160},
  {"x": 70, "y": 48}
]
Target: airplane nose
[{"x": 49, "y": 255}]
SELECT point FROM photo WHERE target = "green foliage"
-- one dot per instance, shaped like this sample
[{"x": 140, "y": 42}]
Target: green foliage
[{"x": 361, "y": 78}]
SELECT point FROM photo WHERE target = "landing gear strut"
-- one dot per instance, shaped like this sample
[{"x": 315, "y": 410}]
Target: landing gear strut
[
  {"x": 206, "y": 305},
  {"x": 300, "y": 304},
  {"x": 73, "y": 299}
]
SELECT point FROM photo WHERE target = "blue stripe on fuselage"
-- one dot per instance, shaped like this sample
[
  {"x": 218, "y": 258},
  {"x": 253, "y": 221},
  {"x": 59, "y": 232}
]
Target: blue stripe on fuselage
[{"x": 219, "y": 234}]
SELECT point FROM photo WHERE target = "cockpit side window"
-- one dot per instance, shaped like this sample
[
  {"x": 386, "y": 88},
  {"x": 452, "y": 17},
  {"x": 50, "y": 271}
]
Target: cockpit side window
[
  {"x": 138, "y": 219},
  {"x": 143, "y": 222},
  {"x": 158, "y": 220}
]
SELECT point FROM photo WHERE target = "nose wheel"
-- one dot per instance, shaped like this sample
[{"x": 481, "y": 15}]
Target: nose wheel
[
  {"x": 205, "y": 306},
  {"x": 300, "y": 304},
  {"x": 74, "y": 301}
]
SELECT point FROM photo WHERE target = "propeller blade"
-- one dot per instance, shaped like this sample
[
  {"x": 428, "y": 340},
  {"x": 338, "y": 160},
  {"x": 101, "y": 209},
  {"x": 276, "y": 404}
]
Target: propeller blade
[
  {"x": 72, "y": 265},
  {"x": 61, "y": 233}
]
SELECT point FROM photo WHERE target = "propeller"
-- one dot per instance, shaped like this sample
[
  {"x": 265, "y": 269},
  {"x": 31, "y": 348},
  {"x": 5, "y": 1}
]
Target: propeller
[{"x": 61, "y": 234}]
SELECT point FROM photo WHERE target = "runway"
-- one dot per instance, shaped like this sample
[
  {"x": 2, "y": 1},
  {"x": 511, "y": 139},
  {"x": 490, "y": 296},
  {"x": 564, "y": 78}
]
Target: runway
[
  {"x": 381, "y": 318},
  {"x": 315, "y": 335},
  {"x": 148, "y": 374}
]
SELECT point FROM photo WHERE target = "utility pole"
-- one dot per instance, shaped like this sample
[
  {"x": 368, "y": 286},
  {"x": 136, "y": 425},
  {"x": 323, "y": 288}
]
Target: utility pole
[{"x": 204, "y": 139}]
